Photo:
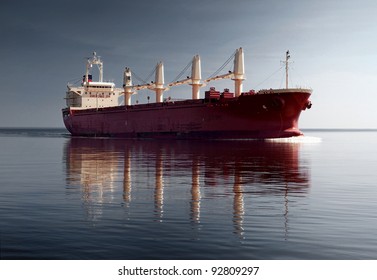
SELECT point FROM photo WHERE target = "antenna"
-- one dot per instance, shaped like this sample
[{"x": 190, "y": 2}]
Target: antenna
[
  {"x": 287, "y": 57},
  {"x": 94, "y": 60}
]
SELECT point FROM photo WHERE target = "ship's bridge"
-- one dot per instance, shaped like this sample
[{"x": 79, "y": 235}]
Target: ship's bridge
[
  {"x": 93, "y": 94},
  {"x": 100, "y": 85}
]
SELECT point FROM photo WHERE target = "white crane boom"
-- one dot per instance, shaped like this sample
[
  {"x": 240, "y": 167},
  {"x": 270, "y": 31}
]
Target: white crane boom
[
  {"x": 181, "y": 82},
  {"x": 220, "y": 77}
]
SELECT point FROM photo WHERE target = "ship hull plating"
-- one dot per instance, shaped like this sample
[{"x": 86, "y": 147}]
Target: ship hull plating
[{"x": 272, "y": 114}]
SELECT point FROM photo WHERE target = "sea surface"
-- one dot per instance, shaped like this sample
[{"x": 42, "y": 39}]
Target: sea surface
[{"x": 312, "y": 197}]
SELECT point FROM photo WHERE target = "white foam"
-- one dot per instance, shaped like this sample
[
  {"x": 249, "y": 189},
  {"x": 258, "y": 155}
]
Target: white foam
[{"x": 297, "y": 139}]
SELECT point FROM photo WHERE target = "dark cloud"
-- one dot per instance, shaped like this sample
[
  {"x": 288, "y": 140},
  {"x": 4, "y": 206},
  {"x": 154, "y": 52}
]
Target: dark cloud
[{"x": 44, "y": 43}]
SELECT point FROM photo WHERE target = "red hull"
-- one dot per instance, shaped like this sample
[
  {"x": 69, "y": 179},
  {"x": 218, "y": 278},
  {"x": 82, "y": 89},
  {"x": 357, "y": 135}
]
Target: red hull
[{"x": 269, "y": 115}]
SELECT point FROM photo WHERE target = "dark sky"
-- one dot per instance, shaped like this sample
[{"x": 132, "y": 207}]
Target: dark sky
[{"x": 333, "y": 45}]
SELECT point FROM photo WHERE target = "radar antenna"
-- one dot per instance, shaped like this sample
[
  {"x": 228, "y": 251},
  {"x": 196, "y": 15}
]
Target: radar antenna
[{"x": 94, "y": 60}]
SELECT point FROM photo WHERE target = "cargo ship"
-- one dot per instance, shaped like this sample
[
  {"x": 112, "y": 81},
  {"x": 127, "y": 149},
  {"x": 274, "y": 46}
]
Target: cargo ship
[{"x": 99, "y": 109}]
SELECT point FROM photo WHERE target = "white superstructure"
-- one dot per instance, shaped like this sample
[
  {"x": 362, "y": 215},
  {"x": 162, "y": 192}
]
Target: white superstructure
[
  {"x": 100, "y": 94},
  {"x": 93, "y": 94}
]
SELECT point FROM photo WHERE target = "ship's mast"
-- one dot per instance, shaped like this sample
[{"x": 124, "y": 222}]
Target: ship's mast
[
  {"x": 287, "y": 57},
  {"x": 94, "y": 60},
  {"x": 159, "y": 82},
  {"x": 157, "y": 86},
  {"x": 196, "y": 76},
  {"x": 127, "y": 86},
  {"x": 195, "y": 80},
  {"x": 238, "y": 74},
  {"x": 238, "y": 71}
]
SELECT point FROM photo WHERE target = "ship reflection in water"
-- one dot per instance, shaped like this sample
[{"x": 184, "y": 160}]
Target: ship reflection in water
[{"x": 187, "y": 181}]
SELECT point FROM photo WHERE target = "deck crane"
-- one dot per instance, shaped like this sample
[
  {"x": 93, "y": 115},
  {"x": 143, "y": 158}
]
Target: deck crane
[
  {"x": 195, "y": 80},
  {"x": 157, "y": 86},
  {"x": 237, "y": 75}
]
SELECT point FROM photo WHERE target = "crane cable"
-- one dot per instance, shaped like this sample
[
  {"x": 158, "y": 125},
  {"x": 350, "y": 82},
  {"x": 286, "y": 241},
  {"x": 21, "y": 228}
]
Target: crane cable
[
  {"x": 182, "y": 72},
  {"x": 223, "y": 66}
]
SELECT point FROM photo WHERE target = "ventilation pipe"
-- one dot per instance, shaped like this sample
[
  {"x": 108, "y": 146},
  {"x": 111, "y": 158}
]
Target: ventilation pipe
[{"x": 238, "y": 71}]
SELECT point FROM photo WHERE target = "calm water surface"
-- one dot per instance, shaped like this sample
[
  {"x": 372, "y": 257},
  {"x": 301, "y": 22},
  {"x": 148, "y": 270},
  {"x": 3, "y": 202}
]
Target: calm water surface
[{"x": 83, "y": 198}]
